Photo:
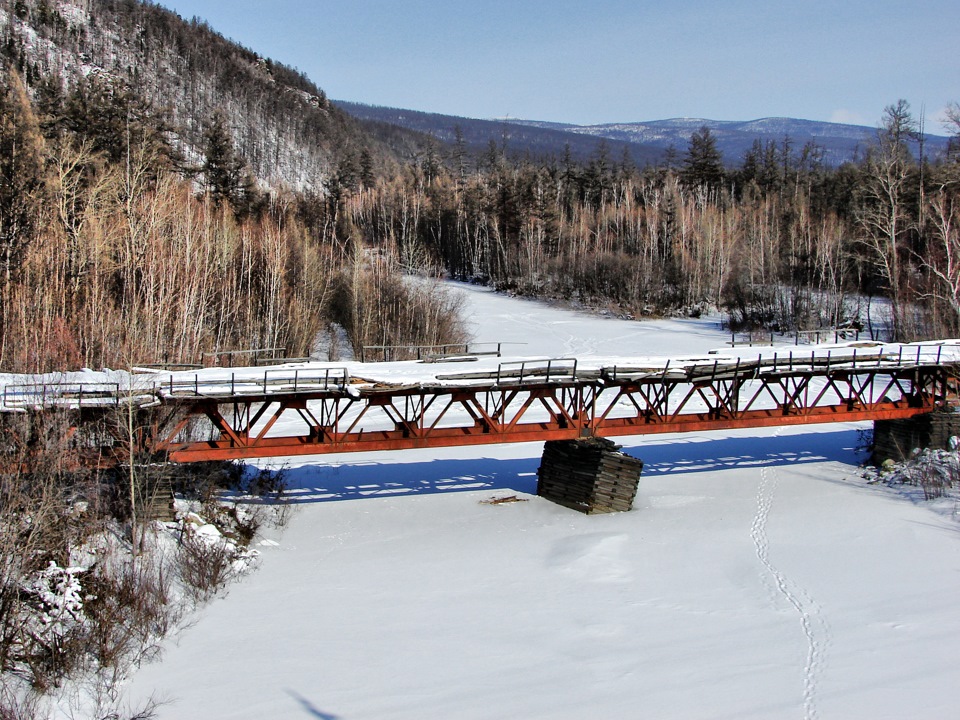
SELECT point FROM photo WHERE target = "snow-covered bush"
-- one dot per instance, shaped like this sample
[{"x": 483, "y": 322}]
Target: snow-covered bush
[
  {"x": 934, "y": 471},
  {"x": 84, "y": 595},
  {"x": 51, "y": 632},
  {"x": 59, "y": 601},
  {"x": 207, "y": 560}
]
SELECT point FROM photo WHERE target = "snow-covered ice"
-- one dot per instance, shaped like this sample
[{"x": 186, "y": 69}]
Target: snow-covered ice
[{"x": 759, "y": 576}]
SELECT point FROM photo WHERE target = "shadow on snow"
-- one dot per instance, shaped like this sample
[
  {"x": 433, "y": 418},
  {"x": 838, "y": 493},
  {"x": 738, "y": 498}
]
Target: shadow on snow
[{"x": 346, "y": 480}]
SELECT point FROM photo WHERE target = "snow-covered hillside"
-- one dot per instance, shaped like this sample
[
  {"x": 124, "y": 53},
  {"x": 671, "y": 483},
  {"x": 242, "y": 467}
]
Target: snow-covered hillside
[
  {"x": 281, "y": 123},
  {"x": 758, "y": 576}
]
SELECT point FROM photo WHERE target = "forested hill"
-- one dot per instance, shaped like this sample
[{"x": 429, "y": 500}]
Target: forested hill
[
  {"x": 511, "y": 138},
  {"x": 646, "y": 142},
  {"x": 137, "y": 58}
]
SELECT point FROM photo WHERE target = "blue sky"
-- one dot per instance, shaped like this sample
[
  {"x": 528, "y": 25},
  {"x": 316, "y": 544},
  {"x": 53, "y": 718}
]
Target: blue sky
[{"x": 612, "y": 61}]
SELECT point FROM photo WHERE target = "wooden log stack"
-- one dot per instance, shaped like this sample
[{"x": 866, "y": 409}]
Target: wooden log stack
[
  {"x": 896, "y": 439},
  {"x": 590, "y": 475}
]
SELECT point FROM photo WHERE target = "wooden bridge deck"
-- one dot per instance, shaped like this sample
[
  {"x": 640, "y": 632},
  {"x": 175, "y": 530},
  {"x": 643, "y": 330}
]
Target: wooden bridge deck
[{"x": 317, "y": 408}]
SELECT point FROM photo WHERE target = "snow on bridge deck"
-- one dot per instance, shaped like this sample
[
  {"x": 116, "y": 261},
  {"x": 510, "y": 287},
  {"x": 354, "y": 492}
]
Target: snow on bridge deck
[
  {"x": 309, "y": 408},
  {"x": 143, "y": 385}
]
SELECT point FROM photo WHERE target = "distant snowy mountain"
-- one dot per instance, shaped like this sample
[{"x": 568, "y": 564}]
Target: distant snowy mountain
[
  {"x": 646, "y": 142},
  {"x": 838, "y": 142},
  {"x": 537, "y": 140}
]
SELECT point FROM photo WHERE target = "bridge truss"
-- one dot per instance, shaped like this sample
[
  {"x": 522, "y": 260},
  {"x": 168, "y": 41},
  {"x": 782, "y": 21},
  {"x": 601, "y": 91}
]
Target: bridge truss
[
  {"x": 321, "y": 409},
  {"x": 552, "y": 401}
]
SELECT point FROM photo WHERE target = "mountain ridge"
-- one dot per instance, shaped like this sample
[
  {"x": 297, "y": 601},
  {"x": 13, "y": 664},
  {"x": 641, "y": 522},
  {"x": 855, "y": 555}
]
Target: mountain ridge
[{"x": 651, "y": 140}]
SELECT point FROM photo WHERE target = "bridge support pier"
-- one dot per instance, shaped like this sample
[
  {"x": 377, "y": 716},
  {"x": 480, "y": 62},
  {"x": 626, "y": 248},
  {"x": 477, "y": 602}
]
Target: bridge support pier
[
  {"x": 590, "y": 475},
  {"x": 896, "y": 439}
]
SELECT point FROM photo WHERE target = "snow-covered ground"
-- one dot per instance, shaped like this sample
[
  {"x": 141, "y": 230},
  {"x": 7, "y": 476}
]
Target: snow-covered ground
[{"x": 758, "y": 576}]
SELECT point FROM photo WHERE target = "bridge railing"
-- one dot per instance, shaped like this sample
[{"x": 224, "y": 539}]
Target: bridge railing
[
  {"x": 537, "y": 371},
  {"x": 752, "y": 338},
  {"x": 107, "y": 394},
  {"x": 392, "y": 353},
  {"x": 271, "y": 382},
  {"x": 225, "y": 358},
  {"x": 62, "y": 394}
]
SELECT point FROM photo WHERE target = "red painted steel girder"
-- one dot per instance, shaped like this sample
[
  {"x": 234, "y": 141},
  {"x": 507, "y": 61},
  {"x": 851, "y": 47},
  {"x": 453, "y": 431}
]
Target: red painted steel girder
[{"x": 444, "y": 416}]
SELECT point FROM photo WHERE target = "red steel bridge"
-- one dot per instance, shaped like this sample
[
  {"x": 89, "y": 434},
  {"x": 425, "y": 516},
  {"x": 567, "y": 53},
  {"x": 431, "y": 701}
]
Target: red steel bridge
[{"x": 319, "y": 408}]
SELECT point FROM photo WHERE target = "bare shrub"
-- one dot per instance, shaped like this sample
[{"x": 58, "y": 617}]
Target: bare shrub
[
  {"x": 934, "y": 471},
  {"x": 235, "y": 505},
  {"x": 18, "y": 704},
  {"x": 45, "y": 510},
  {"x": 131, "y": 607},
  {"x": 205, "y": 566},
  {"x": 75, "y": 600},
  {"x": 262, "y": 500}
]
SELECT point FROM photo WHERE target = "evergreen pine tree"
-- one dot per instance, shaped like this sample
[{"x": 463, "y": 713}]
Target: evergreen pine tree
[
  {"x": 223, "y": 171},
  {"x": 703, "y": 163}
]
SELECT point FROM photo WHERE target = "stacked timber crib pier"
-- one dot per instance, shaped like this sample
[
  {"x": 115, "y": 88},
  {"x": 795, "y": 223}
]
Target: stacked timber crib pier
[
  {"x": 314, "y": 408},
  {"x": 589, "y": 475},
  {"x": 897, "y": 439}
]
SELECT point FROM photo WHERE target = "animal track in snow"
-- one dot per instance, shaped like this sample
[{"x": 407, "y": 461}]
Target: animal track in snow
[{"x": 815, "y": 629}]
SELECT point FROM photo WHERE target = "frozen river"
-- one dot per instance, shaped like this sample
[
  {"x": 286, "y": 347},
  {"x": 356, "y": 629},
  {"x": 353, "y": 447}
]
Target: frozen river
[{"x": 758, "y": 576}]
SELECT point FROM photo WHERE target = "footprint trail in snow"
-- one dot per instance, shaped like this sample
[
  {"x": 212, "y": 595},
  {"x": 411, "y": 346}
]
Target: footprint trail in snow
[{"x": 814, "y": 626}]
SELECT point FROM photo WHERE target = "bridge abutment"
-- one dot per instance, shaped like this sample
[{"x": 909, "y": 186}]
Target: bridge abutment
[
  {"x": 590, "y": 475},
  {"x": 896, "y": 439}
]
